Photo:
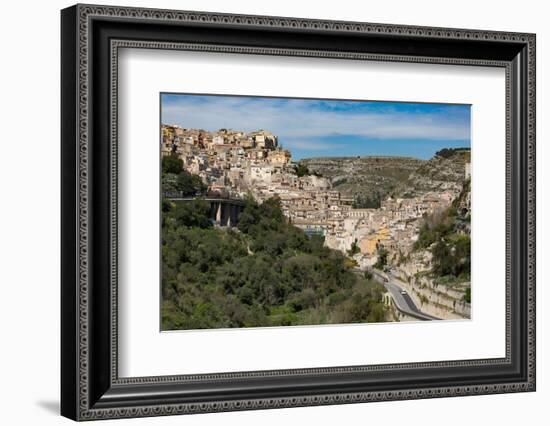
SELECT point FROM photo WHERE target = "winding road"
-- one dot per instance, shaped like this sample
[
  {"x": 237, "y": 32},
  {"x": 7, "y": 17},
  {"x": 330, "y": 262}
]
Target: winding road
[{"x": 404, "y": 302}]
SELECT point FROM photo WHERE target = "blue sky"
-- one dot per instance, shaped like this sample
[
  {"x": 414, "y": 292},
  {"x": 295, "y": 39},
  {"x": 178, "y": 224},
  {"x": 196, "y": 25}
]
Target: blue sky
[{"x": 326, "y": 128}]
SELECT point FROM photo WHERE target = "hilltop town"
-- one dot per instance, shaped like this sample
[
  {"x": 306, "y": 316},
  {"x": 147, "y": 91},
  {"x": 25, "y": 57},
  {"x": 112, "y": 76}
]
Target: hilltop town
[{"x": 237, "y": 164}]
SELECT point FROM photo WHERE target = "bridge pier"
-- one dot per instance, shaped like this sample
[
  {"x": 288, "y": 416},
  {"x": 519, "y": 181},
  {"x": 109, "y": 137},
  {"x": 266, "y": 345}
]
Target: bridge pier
[
  {"x": 218, "y": 217},
  {"x": 223, "y": 212},
  {"x": 234, "y": 214}
]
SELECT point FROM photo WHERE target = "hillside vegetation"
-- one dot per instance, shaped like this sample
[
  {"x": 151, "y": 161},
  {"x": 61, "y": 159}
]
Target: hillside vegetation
[
  {"x": 447, "y": 236},
  {"x": 439, "y": 171},
  {"x": 265, "y": 273}
]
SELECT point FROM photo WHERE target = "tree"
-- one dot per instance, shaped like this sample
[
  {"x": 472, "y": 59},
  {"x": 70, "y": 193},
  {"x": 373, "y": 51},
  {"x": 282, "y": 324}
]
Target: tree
[
  {"x": 271, "y": 210},
  {"x": 194, "y": 213},
  {"x": 354, "y": 249},
  {"x": 382, "y": 257},
  {"x": 172, "y": 164},
  {"x": 166, "y": 205},
  {"x": 449, "y": 152},
  {"x": 301, "y": 170},
  {"x": 261, "y": 218},
  {"x": 266, "y": 273},
  {"x": 189, "y": 184},
  {"x": 468, "y": 295},
  {"x": 442, "y": 261},
  {"x": 169, "y": 183},
  {"x": 250, "y": 215}
]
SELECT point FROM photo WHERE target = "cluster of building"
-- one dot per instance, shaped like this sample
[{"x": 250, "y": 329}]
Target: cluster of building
[
  {"x": 229, "y": 162},
  {"x": 235, "y": 164}
]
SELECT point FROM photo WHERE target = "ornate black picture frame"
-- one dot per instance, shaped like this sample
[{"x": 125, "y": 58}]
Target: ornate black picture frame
[{"x": 91, "y": 36}]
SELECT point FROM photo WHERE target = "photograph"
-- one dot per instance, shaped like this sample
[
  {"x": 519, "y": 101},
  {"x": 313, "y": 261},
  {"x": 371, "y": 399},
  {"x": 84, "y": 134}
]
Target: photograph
[
  {"x": 294, "y": 211},
  {"x": 263, "y": 208}
]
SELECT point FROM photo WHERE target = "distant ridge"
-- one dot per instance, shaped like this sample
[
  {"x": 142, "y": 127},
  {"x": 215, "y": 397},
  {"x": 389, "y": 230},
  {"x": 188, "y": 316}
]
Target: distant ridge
[{"x": 377, "y": 177}]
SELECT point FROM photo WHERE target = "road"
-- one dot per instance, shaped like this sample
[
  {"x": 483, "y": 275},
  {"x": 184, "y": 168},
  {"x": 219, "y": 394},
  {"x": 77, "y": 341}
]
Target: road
[{"x": 404, "y": 303}]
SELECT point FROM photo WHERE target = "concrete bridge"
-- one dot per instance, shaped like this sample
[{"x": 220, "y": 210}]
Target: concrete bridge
[{"x": 223, "y": 211}]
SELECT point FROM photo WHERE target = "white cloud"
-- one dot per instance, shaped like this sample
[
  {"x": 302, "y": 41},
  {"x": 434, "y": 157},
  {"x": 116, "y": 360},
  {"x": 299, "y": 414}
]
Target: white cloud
[
  {"x": 310, "y": 145},
  {"x": 296, "y": 120}
]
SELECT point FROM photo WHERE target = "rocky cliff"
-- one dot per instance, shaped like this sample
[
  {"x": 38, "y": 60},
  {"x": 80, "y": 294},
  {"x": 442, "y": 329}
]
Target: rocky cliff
[
  {"x": 371, "y": 178},
  {"x": 365, "y": 177}
]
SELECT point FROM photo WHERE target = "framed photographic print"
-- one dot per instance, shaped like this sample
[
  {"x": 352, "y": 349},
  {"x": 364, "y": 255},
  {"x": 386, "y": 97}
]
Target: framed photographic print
[{"x": 263, "y": 212}]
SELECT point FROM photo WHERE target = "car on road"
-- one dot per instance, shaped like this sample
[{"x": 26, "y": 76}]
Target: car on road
[{"x": 403, "y": 292}]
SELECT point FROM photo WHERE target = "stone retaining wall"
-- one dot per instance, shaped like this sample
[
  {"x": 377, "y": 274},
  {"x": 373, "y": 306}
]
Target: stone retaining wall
[{"x": 438, "y": 300}]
